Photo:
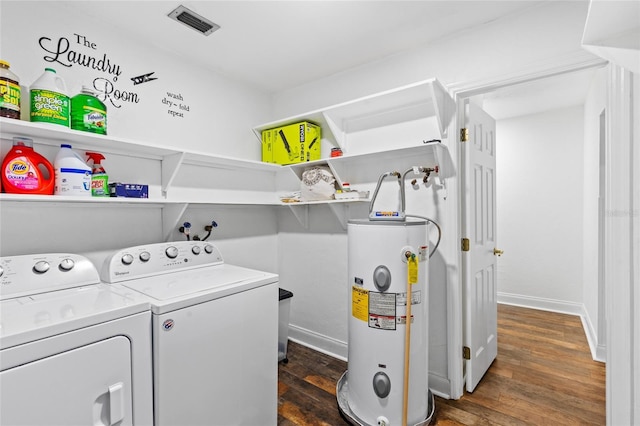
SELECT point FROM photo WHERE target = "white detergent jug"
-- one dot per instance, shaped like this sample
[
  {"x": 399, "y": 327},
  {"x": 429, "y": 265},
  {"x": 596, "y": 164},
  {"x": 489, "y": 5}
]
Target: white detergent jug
[
  {"x": 49, "y": 99},
  {"x": 72, "y": 174}
]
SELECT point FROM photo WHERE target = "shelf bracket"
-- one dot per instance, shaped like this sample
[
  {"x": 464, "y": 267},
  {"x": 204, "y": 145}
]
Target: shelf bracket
[
  {"x": 171, "y": 214},
  {"x": 170, "y": 165},
  {"x": 338, "y": 134},
  {"x": 340, "y": 211},
  {"x": 301, "y": 213}
]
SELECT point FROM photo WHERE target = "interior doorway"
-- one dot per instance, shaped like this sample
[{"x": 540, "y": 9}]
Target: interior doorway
[{"x": 554, "y": 103}]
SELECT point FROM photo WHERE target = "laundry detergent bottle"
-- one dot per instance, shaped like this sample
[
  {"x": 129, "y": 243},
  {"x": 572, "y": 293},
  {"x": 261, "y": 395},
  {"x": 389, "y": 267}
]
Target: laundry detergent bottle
[
  {"x": 9, "y": 92},
  {"x": 88, "y": 113},
  {"x": 99, "y": 177},
  {"x": 72, "y": 174},
  {"x": 24, "y": 171},
  {"x": 49, "y": 99}
]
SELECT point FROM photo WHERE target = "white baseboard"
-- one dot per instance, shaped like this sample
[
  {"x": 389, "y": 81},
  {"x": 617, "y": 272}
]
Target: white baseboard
[
  {"x": 542, "y": 304},
  {"x": 598, "y": 352},
  {"x": 318, "y": 342},
  {"x": 440, "y": 386}
]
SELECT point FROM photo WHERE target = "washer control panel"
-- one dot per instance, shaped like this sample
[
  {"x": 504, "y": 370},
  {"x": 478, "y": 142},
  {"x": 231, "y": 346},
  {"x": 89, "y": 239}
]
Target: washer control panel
[
  {"x": 154, "y": 259},
  {"x": 40, "y": 273}
]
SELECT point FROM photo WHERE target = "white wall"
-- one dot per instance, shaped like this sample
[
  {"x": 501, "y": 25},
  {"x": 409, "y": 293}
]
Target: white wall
[
  {"x": 313, "y": 265},
  {"x": 539, "y": 39},
  {"x": 221, "y": 112},
  {"x": 221, "y": 115},
  {"x": 532, "y": 40},
  {"x": 520, "y": 43},
  {"x": 540, "y": 208}
]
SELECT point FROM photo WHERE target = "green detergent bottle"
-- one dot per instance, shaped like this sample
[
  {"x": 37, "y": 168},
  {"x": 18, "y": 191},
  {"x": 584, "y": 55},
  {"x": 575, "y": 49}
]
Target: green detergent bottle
[
  {"x": 49, "y": 99},
  {"x": 88, "y": 113},
  {"x": 99, "y": 177}
]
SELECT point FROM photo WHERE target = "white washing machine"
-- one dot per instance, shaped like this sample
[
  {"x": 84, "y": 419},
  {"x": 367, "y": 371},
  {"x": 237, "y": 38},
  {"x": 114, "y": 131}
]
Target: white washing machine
[
  {"x": 214, "y": 330},
  {"x": 73, "y": 351}
]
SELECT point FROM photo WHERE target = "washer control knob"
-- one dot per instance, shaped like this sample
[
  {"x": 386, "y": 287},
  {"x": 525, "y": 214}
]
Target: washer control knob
[
  {"x": 1, "y": 271},
  {"x": 145, "y": 256},
  {"x": 381, "y": 384},
  {"x": 127, "y": 259},
  {"x": 41, "y": 267},
  {"x": 67, "y": 264},
  {"x": 171, "y": 252},
  {"x": 208, "y": 248},
  {"x": 196, "y": 250}
]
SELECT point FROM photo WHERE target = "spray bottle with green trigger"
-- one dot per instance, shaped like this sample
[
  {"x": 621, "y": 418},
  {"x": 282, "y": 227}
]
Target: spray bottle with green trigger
[{"x": 99, "y": 177}]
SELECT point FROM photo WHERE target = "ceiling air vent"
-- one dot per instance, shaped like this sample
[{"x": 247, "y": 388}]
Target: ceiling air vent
[{"x": 193, "y": 20}]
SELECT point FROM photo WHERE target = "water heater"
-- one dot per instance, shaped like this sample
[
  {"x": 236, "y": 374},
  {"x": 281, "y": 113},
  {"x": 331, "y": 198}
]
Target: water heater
[{"x": 373, "y": 391}]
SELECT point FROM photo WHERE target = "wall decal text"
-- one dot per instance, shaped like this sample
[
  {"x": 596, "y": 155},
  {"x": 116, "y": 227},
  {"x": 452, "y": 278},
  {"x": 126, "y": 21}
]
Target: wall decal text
[
  {"x": 176, "y": 107},
  {"x": 60, "y": 51}
]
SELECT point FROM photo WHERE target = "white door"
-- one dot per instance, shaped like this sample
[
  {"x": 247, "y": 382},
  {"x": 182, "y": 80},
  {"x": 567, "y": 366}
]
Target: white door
[
  {"x": 89, "y": 385},
  {"x": 479, "y": 261}
]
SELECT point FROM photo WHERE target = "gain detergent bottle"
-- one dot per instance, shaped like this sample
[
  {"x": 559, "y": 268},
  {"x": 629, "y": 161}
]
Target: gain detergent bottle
[{"x": 49, "y": 100}]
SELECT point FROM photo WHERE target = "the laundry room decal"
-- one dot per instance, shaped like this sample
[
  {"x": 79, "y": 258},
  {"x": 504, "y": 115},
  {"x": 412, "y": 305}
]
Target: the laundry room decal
[{"x": 69, "y": 52}]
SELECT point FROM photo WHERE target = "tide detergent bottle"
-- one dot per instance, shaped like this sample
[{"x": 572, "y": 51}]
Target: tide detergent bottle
[
  {"x": 24, "y": 171},
  {"x": 99, "y": 177}
]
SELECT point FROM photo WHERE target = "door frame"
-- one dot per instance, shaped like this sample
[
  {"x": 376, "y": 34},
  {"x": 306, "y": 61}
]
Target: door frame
[{"x": 581, "y": 60}]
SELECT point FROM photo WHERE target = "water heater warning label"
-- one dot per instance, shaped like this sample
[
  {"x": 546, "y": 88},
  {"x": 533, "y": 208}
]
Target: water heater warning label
[
  {"x": 382, "y": 310},
  {"x": 376, "y": 309},
  {"x": 360, "y": 303}
]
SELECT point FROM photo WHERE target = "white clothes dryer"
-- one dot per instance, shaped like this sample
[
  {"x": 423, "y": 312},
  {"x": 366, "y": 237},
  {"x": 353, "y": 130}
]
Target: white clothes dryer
[
  {"x": 215, "y": 333},
  {"x": 73, "y": 351}
]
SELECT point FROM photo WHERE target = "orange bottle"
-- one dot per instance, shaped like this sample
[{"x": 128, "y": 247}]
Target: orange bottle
[{"x": 24, "y": 171}]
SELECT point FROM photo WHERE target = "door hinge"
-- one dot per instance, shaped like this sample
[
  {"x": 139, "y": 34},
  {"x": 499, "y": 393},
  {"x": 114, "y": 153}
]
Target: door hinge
[
  {"x": 466, "y": 352},
  {"x": 464, "y": 134},
  {"x": 465, "y": 244}
]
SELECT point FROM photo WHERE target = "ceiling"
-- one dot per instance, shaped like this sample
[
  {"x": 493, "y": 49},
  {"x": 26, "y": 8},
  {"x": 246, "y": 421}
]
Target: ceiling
[{"x": 273, "y": 45}]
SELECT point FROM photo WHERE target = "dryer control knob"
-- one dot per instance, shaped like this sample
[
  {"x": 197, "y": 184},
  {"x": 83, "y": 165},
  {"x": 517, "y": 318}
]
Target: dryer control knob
[
  {"x": 208, "y": 248},
  {"x": 1, "y": 271},
  {"x": 171, "y": 252},
  {"x": 127, "y": 259},
  {"x": 145, "y": 256},
  {"x": 41, "y": 267},
  {"x": 67, "y": 264},
  {"x": 195, "y": 250}
]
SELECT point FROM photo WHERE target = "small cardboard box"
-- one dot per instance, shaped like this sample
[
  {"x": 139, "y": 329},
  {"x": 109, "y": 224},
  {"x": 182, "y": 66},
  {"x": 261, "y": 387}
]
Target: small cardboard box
[
  {"x": 293, "y": 143},
  {"x": 128, "y": 190}
]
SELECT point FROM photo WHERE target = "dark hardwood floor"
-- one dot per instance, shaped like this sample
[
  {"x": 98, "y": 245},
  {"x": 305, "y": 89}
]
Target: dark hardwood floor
[{"x": 543, "y": 375}]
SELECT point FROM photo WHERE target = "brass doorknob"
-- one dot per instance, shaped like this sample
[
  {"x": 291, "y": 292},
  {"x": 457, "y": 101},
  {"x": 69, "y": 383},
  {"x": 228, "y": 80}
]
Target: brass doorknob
[{"x": 497, "y": 252}]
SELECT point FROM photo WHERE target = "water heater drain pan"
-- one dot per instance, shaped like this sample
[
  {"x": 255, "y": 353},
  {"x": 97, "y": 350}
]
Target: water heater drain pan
[{"x": 342, "y": 391}]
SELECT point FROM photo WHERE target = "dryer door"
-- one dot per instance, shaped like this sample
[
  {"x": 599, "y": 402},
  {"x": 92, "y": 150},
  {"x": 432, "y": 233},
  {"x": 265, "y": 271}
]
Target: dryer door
[{"x": 89, "y": 385}]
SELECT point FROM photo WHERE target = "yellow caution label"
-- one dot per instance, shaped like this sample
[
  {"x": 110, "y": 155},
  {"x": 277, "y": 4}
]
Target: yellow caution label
[
  {"x": 360, "y": 303},
  {"x": 412, "y": 264}
]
